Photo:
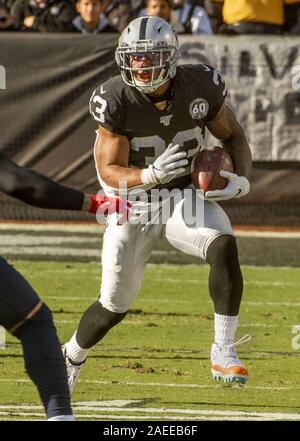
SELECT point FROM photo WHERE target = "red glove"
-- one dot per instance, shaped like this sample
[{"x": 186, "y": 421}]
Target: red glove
[{"x": 101, "y": 204}]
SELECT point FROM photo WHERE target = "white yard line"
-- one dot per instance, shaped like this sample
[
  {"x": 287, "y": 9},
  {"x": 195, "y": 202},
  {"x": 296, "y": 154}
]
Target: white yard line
[
  {"x": 245, "y": 325},
  {"x": 49, "y": 226},
  {"x": 154, "y": 413},
  {"x": 24, "y": 416},
  {"x": 293, "y": 304},
  {"x": 50, "y": 251},
  {"x": 204, "y": 282},
  {"x": 93, "y": 227},
  {"x": 269, "y": 234},
  {"x": 244, "y": 302},
  {"x": 191, "y": 411},
  {"x": 173, "y": 302},
  {"x": 13, "y": 241},
  {"x": 129, "y": 322},
  {"x": 182, "y": 385},
  {"x": 171, "y": 385}
]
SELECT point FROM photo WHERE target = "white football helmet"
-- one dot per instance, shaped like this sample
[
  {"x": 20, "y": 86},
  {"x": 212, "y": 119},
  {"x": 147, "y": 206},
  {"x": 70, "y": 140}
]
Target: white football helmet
[{"x": 152, "y": 37}]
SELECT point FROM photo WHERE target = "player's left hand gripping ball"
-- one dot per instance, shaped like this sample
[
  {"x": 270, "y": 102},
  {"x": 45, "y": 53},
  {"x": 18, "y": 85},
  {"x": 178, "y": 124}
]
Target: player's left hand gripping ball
[
  {"x": 237, "y": 187},
  {"x": 105, "y": 205}
]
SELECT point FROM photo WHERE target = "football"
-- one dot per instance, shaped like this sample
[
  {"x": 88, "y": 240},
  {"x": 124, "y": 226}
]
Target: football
[{"x": 206, "y": 167}]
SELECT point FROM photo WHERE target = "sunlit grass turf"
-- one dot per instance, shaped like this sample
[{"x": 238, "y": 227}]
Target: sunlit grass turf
[{"x": 166, "y": 339}]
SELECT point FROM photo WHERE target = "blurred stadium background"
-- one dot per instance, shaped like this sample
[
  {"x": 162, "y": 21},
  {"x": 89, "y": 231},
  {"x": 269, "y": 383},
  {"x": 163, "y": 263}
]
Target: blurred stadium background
[{"x": 45, "y": 122}]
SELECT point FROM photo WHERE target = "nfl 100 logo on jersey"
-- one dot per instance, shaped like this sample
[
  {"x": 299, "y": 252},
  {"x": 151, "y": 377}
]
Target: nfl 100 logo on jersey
[
  {"x": 199, "y": 108},
  {"x": 165, "y": 120}
]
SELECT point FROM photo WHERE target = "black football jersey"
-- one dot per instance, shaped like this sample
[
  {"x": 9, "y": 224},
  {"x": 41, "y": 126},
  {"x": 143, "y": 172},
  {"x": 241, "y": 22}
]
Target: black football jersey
[{"x": 197, "y": 96}]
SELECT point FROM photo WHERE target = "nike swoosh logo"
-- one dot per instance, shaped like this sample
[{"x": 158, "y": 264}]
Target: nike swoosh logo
[
  {"x": 240, "y": 191},
  {"x": 102, "y": 90}
]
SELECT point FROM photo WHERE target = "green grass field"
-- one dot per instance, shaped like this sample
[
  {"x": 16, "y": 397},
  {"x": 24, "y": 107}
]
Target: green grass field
[{"x": 155, "y": 365}]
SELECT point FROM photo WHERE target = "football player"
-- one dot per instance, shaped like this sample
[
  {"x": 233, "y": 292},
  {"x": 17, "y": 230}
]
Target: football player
[
  {"x": 152, "y": 120},
  {"x": 22, "y": 312}
]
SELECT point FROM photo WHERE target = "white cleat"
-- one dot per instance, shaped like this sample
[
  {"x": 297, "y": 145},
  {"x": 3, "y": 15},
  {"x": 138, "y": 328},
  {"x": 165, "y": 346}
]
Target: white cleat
[
  {"x": 62, "y": 418},
  {"x": 73, "y": 369},
  {"x": 225, "y": 364}
]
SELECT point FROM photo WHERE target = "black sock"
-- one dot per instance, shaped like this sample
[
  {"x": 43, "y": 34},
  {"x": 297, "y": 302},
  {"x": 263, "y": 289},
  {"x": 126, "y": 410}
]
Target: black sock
[
  {"x": 95, "y": 323},
  {"x": 225, "y": 277}
]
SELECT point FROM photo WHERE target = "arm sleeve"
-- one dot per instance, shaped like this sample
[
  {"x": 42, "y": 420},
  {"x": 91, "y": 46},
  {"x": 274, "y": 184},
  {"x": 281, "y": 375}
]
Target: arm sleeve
[{"x": 36, "y": 189}]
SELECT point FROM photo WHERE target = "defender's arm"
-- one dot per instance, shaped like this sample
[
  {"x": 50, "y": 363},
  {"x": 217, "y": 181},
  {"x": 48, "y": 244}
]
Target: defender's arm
[
  {"x": 38, "y": 190},
  {"x": 35, "y": 189}
]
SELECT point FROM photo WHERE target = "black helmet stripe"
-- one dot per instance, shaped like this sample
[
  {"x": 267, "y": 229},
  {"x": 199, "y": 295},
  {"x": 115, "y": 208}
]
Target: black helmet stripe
[{"x": 143, "y": 28}]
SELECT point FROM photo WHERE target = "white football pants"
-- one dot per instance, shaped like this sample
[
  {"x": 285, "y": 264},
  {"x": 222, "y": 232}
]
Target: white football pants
[{"x": 127, "y": 247}]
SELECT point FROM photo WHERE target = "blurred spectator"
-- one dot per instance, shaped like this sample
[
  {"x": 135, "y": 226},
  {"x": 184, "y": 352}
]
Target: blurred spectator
[
  {"x": 91, "y": 18},
  {"x": 163, "y": 9},
  {"x": 6, "y": 20},
  {"x": 43, "y": 15},
  {"x": 185, "y": 16},
  {"x": 292, "y": 18},
  {"x": 214, "y": 12},
  {"x": 119, "y": 13},
  {"x": 136, "y": 6},
  {"x": 296, "y": 29},
  {"x": 253, "y": 16},
  {"x": 193, "y": 16},
  {"x": 7, "y": 3}
]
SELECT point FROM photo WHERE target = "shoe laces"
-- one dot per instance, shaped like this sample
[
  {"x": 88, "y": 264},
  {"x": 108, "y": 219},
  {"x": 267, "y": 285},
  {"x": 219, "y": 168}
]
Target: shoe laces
[
  {"x": 230, "y": 349},
  {"x": 242, "y": 340}
]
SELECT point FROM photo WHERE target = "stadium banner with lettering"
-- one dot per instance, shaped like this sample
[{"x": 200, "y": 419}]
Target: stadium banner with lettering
[
  {"x": 263, "y": 79},
  {"x": 47, "y": 80}
]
